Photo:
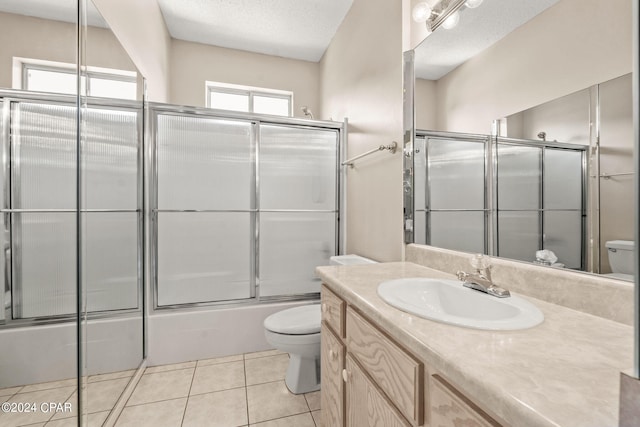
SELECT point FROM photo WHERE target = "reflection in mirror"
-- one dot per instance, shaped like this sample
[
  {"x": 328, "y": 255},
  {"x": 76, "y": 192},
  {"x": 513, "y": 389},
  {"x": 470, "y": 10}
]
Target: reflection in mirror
[
  {"x": 552, "y": 132},
  {"x": 40, "y": 348}
]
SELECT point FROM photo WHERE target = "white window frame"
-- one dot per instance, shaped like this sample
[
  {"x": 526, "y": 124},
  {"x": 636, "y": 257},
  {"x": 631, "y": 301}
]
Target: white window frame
[
  {"x": 250, "y": 91},
  {"x": 21, "y": 67}
]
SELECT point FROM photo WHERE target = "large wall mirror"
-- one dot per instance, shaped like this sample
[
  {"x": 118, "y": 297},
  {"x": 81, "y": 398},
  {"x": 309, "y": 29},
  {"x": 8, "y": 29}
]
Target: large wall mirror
[
  {"x": 75, "y": 340},
  {"x": 522, "y": 136}
]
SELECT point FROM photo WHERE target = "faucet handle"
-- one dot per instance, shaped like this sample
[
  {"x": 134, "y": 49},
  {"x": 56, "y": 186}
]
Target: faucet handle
[{"x": 480, "y": 262}]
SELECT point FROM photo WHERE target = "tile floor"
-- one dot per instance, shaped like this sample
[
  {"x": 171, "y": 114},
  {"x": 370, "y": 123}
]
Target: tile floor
[{"x": 242, "y": 390}]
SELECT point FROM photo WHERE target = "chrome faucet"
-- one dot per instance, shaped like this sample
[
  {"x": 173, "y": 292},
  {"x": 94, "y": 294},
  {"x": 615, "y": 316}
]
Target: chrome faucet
[{"x": 481, "y": 279}]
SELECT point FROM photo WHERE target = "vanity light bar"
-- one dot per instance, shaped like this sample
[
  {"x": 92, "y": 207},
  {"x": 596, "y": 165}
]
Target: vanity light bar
[{"x": 442, "y": 11}]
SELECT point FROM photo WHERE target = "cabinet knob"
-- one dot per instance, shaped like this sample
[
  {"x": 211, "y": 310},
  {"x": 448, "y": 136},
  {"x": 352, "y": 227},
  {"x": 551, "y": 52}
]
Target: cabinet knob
[
  {"x": 345, "y": 375},
  {"x": 333, "y": 355},
  {"x": 324, "y": 308}
]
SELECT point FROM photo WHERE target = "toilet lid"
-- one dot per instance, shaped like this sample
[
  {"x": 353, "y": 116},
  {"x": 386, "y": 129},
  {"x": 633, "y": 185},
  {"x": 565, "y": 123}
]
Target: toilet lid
[{"x": 295, "y": 321}]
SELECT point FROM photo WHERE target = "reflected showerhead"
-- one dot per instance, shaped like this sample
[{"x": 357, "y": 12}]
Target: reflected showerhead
[{"x": 307, "y": 112}]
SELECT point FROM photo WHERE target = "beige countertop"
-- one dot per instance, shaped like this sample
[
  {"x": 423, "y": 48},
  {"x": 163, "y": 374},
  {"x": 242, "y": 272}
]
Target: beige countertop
[{"x": 564, "y": 372}]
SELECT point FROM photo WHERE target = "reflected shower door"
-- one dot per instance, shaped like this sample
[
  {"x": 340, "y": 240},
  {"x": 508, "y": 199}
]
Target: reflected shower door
[
  {"x": 563, "y": 221},
  {"x": 519, "y": 181},
  {"x": 43, "y": 203},
  {"x": 456, "y": 195}
]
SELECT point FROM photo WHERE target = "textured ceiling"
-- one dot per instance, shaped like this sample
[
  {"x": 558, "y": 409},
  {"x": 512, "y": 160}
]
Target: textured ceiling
[
  {"x": 300, "y": 29},
  {"x": 478, "y": 29}
]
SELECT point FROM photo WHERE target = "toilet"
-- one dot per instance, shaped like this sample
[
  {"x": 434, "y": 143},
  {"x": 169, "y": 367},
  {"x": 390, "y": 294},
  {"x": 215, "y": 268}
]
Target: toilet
[
  {"x": 297, "y": 332},
  {"x": 620, "y": 254}
]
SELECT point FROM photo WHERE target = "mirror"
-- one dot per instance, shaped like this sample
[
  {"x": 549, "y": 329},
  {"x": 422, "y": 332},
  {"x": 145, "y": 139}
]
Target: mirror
[
  {"x": 41, "y": 355},
  {"x": 526, "y": 102}
]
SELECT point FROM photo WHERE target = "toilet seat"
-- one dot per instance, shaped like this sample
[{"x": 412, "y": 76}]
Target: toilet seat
[{"x": 304, "y": 320}]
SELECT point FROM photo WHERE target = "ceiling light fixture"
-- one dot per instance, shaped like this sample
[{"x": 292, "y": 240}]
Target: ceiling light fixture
[
  {"x": 421, "y": 12},
  {"x": 451, "y": 21},
  {"x": 442, "y": 11},
  {"x": 472, "y": 4}
]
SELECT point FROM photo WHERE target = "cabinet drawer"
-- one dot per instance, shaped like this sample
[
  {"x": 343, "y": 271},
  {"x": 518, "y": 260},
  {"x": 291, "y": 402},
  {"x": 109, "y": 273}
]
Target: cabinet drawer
[
  {"x": 331, "y": 392},
  {"x": 367, "y": 406},
  {"x": 449, "y": 408},
  {"x": 333, "y": 311},
  {"x": 398, "y": 374}
]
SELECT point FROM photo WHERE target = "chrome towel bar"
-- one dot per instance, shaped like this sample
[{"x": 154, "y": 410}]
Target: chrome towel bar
[{"x": 391, "y": 147}]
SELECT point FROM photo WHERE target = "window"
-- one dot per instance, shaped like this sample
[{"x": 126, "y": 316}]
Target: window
[
  {"x": 58, "y": 78},
  {"x": 249, "y": 99}
]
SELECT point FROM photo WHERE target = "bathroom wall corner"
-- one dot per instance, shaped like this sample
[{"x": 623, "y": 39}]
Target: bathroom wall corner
[{"x": 629, "y": 401}]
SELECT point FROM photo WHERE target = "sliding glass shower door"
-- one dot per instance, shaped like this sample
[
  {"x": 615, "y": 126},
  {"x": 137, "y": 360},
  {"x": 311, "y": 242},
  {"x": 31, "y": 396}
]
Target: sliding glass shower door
[
  {"x": 245, "y": 209},
  {"x": 41, "y": 207}
]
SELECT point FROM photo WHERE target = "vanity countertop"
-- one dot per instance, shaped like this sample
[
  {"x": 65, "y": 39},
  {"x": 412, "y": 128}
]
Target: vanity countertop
[{"x": 564, "y": 372}]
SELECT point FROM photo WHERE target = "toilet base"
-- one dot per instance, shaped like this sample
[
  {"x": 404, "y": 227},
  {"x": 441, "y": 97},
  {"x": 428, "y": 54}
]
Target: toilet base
[{"x": 303, "y": 374}]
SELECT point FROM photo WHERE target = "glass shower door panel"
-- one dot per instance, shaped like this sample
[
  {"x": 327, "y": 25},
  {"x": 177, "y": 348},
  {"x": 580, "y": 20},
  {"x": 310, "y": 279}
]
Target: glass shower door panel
[
  {"x": 562, "y": 179},
  {"x": 420, "y": 227},
  {"x": 110, "y": 159},
  {"x": 203, "y": 163},
  {"x": 461, "y": 231},
  {"x": 456, "y": 174},
  {"x": 110, "y": 263},
  {"x": 420, "y": 175},
  {"x": 292, "y": 245},
  {"x": 203, "y": 257},
  {"x": 44, "y": 264},
  {"x": 518, "y": 235},
  {"x": 43, "y": 158},
  {"x": 563, "y": 235},
  {"x": 519, "y": 177},
  {"x": 297, "y": 168}
]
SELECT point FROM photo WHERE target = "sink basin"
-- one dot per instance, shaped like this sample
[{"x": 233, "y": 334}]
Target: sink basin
[{"x": 448, "y": 301}]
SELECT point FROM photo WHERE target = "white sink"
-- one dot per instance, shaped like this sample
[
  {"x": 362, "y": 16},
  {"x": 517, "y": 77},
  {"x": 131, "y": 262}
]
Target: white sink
[{"x": 448, "y": 301}]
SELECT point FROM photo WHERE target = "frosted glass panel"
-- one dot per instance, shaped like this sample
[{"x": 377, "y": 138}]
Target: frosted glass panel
[
  {"x": 518, "y": 235},
  {"x": 110, "y": 159},
  {"x": 203, "y": 257},
  {"x": 462, "y": 231},
  {"x": 44, "y": 275},
  {"x": 292, "y": 245},
  {"x": 43, "y": 156},
  {"x": 519, "y": 177},
  {"x": 563, "y": 235},
  {"x": 420, "y": 227},
  {"x": 110, "y": 260},
  {"x": 456, "y": 174},
  {"x": 297, "y": 168},
  {"x": 562, "y": 179},
  {"x": 203, "y": 163},
  {"x": 45, "y": 262},
  {"x": 419, "y": 174}
]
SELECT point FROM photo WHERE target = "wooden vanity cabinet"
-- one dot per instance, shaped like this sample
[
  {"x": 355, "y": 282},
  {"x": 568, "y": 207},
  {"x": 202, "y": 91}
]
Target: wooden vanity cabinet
[{"x": 370, "y": 380}]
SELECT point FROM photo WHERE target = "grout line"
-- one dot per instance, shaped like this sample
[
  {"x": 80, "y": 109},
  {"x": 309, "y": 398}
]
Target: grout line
[
  {"x": 246, "y": 387},
  {"x": 186, "y": 404}
]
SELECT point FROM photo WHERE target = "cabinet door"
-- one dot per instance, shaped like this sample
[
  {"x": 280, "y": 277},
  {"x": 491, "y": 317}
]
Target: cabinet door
[
  {"x": 366, "y": 406},
  {"x": 449, "y": 408},
  {"x": 332, "y": 390}
]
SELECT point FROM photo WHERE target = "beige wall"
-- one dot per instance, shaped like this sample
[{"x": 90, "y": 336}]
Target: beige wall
[
  {"x": 572, "y": 45},
  {"x": 617, "y": 201},
  {"x": 425, "y": 104},
  {"x": 48, "y": 40},
  {"x": 140, "y": 28},
  {"x": 194, "y": 63},
  {"x": 361, "y": 78}
]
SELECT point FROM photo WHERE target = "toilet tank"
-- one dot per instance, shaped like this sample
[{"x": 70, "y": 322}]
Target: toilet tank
[
  {"x": 620, "y": 254},
  {"x": 349, "y": 260}
]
